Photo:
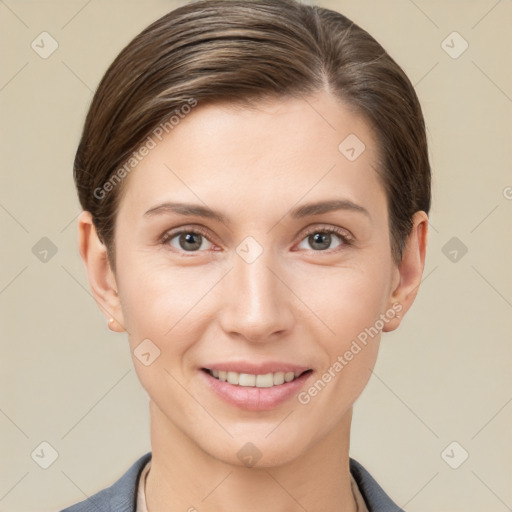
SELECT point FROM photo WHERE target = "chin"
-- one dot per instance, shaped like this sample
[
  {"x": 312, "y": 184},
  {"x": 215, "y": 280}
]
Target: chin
[{"x": 259, "y": 451}]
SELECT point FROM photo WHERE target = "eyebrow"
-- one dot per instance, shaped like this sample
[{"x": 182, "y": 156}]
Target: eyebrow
[
  {"x": 328, "y": 206},
  {"x": 305, "y": 210}
]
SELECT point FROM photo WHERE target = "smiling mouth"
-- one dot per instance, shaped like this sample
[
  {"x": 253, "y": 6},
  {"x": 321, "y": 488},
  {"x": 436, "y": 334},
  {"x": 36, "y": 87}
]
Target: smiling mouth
[{"x": 267, "y": 380}]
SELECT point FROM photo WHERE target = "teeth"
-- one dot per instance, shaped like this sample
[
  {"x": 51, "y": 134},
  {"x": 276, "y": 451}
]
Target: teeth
[
  {"x": 278, "y": 378},
  {"x": 249, "y": 380},
  {"x": 233, "y": 377},
  {"x": 265, "y": 381},
  {"x": 289, "y": 376}
]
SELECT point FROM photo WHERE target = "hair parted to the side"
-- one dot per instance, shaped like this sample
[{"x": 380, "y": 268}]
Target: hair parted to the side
[{"x": 242, "y": 52}]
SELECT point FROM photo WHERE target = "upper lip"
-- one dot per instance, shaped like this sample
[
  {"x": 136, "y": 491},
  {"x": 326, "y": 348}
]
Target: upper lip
[{"x": 256, "y": 369}]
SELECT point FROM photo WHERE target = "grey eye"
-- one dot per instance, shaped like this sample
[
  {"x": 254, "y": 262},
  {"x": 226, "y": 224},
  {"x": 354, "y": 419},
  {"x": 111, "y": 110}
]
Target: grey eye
[
  {"x": 188, "y": 241},
  {"x": 321, "y": 240}
]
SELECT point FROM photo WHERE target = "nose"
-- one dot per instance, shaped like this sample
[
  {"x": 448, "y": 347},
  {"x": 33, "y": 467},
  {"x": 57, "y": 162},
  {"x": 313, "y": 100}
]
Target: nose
[{"x": 257, "y": 305}]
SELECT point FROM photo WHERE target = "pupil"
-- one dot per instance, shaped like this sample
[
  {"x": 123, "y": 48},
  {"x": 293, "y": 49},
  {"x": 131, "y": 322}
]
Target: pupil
[
  {"x": 323, "y": 239},
  {"x": 188, "y": 238}
]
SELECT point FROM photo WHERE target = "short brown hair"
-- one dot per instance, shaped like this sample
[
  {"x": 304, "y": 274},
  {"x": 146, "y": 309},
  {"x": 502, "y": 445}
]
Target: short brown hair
[{"x": 240, "y": 52}]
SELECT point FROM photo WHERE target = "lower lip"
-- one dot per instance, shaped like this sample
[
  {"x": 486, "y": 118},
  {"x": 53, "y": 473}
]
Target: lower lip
[{"x": 253, "y": 398}]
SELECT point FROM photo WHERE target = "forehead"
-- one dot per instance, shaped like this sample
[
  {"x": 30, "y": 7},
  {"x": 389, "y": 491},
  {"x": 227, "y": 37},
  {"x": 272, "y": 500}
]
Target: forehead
[{"x": 279, "y": 152}]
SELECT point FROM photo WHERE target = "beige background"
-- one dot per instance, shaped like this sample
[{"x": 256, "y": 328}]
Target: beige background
[{"x": 443, "y": 376}]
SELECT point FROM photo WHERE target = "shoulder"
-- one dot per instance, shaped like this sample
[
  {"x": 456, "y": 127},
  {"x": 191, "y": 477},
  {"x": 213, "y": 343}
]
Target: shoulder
[
  {"x": 374, "y": 496},
  {"x": 119, "y": 497}
]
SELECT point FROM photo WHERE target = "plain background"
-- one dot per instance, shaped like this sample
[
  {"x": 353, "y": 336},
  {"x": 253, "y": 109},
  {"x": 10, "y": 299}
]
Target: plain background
[{"x": 444, "y": 376}]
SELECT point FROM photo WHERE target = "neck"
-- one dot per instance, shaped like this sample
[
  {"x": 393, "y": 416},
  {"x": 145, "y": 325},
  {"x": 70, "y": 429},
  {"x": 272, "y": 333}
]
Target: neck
[{"x": 184, "y": 477}]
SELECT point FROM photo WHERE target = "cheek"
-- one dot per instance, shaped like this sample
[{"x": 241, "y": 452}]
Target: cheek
[
  {"x": 165, "y": 305},
  {"x": 157, "y": 297},
  {"x": 349, "y": 305},
  {"x": 346, "y": 301}
]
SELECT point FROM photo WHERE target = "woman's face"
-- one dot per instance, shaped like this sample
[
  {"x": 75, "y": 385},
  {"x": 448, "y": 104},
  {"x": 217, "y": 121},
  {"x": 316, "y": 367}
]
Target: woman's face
[{"x": 244, "y": 274}]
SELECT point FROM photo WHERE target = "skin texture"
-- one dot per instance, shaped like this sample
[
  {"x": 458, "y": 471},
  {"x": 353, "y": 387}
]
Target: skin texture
[{"x": 295, "y": 303}]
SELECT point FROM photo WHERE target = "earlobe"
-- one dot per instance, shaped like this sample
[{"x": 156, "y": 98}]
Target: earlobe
[
  {"x": 114, "y": 325},
  {"x": 101, "y": 277},
  {"x": 410, "y": 271}
]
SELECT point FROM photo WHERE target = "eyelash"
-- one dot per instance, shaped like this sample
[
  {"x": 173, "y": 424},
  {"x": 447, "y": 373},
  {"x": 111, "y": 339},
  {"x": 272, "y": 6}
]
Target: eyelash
[{"x": 346, "y": 239}]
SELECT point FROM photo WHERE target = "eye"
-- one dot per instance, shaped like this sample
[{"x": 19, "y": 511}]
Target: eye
[
  {"x": 188, "y": 240},
  {"x": 320, "y": 239}
]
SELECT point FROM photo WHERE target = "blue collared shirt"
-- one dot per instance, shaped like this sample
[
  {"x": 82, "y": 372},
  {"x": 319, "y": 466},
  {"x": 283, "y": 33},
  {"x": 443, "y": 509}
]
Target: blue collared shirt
[{"x": 122, "y": 495}]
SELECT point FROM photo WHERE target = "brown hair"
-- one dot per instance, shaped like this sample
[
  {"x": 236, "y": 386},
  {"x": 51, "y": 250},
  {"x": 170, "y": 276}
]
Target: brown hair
[{"x": 240, "y": 52}]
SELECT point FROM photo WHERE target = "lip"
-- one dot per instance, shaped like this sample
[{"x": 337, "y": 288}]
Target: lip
[
  {"x": 256, "y": 369},
  {"x": 253, "y": 398}
]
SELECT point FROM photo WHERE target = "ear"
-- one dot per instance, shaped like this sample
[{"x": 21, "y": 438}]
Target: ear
[
  {"x": 101, "y": 277},
  {"x": 408, "y": 274}
]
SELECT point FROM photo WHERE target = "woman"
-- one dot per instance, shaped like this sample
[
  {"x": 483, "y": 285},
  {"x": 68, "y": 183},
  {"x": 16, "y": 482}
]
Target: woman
[{"x": 255, "y": 183}]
